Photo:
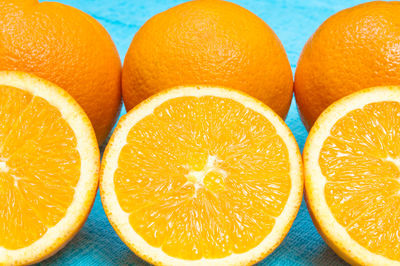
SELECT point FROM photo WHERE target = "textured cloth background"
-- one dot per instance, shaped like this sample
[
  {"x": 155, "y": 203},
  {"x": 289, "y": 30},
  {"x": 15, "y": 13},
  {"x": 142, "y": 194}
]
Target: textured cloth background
[{"x": 293, "y": 21}]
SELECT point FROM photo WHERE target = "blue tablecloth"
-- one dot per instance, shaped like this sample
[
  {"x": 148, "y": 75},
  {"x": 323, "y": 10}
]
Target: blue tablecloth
[{"x": 293, "y": 21}]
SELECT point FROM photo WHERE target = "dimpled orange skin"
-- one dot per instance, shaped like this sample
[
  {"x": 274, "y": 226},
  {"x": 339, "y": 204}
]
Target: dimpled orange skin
[
  {"x": 68, "y": 47},
  {"x": 209, "y": 42},
  {"x": 354, "y": 49}
]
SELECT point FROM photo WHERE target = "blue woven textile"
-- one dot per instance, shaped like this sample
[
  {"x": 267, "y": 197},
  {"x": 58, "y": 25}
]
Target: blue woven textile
[{"x": 293, "y": 21}]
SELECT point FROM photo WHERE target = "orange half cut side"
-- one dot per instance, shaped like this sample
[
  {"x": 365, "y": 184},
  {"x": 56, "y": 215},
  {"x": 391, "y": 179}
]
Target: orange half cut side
[
  {"x": 352, "y": 166},
  {"x": 201, "y": 175},
  {"x": 49, "y": 161}
]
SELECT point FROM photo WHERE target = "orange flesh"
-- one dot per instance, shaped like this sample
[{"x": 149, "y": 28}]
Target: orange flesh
[
  {"x": 203, "y": 177},
  {"x": 361, "y": 161},
  {"x": 39, "y": 167}
]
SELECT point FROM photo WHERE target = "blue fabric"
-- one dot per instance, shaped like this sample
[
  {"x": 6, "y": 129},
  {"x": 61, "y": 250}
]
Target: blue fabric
[{"x": 294, "y": 21}]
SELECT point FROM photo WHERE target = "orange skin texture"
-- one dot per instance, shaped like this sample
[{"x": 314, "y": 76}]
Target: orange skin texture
[
  {"x": 354, "y": 49},
  {"x": 68, "y": 47},
  {"x": 208, "y": 42}
]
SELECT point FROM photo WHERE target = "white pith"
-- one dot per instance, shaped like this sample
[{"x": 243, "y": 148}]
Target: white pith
[
  {"x": 396, "y": 161},
  {"x": 315, "y": 181},
  {"x": 119, "y": 218},
  {"x": 197, "y": 177},
  {"x": 3, "y": 166}
]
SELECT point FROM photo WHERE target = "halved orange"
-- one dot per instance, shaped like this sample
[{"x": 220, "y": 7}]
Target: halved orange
[
  {"x": 49, "y": 161},
  {"x": 352, "y": 176},
  {"x": 201, "y": 175}
]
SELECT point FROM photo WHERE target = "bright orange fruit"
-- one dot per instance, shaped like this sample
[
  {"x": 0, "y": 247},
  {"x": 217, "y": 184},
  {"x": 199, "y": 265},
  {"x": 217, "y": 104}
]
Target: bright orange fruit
[
  {"x": 68, "y": 47},
  {"x": 201, "y": 174},
  {"x": 356, "y": 48},
  {"x": 352, "y": 167},
  {"x": 208, "y": 42},
  {"x": 49, "y": 161}
]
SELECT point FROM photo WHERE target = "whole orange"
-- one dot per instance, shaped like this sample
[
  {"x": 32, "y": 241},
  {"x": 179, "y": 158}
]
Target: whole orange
[
  {"x": 354, "y": 49},
  {"x": 68, "y": 47},
  {"x": 209, "y": 42}
]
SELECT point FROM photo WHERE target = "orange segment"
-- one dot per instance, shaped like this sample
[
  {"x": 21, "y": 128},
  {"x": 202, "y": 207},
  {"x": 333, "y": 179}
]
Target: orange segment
[
  {"x": 359, "y": 162},
  {"x": 202, "y": 176},
  {"x": 16, "y": 217},
  {"x": 12, "y": 102},
  {"x": 41, "y": 168}
]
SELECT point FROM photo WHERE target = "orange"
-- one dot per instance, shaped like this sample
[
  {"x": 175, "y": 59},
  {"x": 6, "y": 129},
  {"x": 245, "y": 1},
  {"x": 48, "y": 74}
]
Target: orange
[
  {"x": 49, "y": 162},
  {"x": 201, "y": 175},
  {"x": 352, "y": 171},
  {"x": 354, "y": 49},
  {"x": 68, "y": 47},
  {"x": 209, "y": 42}
]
